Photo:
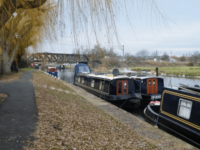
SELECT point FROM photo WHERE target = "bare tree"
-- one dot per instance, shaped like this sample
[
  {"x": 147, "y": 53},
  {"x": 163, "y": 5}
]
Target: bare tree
[
  {"x": 182, "y": 58},
  {"x": 195, "y": 58},
  {"x": 165, "y": 57},
  {"x": 97, "y": 52},
  {"x": 130, "y": 59},
  {"x": 154, "y": 54},
  {"x": 143, "y": 54}
]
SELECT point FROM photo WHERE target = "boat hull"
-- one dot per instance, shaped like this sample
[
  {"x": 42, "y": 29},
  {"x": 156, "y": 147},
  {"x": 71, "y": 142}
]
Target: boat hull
[
  {"x": 128, "y": 100},
  {"x": 172, "y": 127}
]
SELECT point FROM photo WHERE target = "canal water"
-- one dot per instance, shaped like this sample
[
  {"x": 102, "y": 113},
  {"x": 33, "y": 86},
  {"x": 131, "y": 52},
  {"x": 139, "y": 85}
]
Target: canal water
[
  {"x": 175, "y": 81},
  {"x": 68, "y": 76}
]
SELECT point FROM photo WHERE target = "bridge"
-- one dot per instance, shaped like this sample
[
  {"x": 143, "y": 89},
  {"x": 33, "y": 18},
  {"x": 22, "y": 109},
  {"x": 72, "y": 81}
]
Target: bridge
[{"x": 58, "y": 58}]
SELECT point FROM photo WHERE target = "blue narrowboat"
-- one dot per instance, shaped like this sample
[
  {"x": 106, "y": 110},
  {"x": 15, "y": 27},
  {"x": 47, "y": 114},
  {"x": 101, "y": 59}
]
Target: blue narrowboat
[
  {"x": 52, "y": 71},
  {"x": 115, "y": 88},
  {"x": 178, "y": 113}
]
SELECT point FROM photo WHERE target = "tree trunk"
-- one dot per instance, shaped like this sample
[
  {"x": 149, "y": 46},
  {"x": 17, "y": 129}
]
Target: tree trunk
[
  {"x": 6, "y": 63},
  {"x": 1, "y": 64}
]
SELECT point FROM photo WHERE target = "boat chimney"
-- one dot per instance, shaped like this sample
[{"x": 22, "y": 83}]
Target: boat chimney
[{"x": 156, "y": 71}]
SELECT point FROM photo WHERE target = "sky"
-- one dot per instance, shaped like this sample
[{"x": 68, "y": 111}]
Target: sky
[{"x": 175, "y": 30}]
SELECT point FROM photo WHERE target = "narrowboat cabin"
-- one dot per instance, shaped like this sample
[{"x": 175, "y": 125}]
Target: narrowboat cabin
[
  {"x": 150, "y": 88},
  {"x": 114, "y": 88},
  {"x": 52, "y": 71},
  {"x": 178, "y": 113}
]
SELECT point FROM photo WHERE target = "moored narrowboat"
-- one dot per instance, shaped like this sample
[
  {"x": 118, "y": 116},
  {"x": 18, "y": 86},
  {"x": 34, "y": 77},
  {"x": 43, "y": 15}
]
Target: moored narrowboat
[
  {"x": 115, "y": 88},
  {"x": 150, "y": 88},
  {"x": 52, "y": 71},
  {"x": 194, "y": 88},
  {"x": 178, "y": 113}
]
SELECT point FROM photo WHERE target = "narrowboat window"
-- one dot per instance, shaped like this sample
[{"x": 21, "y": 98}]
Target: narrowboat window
[
  {"x": 149, "y": 82},
  {"x": 105, "y": 87},
  {"x": 184, "y": 108},
  {"x": 92, "y": 82},
  {"x": 125, "y": 89},
  {"x": 79, "y": 79},
  {"x": 83, "y": 80},
  {"x": 101, "y": 85},
  {"x": 122, "y": 87},
  {"x": 84, "y": 69},
  {"x": 154, "y": 82},
  {"x": 119, "y": 87}
]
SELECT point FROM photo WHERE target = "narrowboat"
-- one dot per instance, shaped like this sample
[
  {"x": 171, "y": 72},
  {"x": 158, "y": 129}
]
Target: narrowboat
[
  {"x": 150, "y": 88},
  {"x": 52, "y": 71},
  {"x": 194, "y": 88},
  {"x": 178, "y": 113},
  {"x": 60, "y": 67},
  {"x": 115, "y": 88}
]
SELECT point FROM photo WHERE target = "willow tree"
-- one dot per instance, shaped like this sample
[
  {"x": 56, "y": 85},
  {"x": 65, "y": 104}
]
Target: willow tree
[
  {"x": 99, "y": 17},
  {"x": 8, "y": 7},
  {"x": 80, "y": 16},
  {"x": 21, "y": 29}
]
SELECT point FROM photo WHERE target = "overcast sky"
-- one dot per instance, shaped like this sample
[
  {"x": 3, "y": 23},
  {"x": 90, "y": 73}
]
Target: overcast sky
[{"x": 177, "y": 33}]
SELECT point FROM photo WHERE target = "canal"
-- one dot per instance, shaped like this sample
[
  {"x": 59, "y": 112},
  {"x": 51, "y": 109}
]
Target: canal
[{"x": 68, "y": 76}]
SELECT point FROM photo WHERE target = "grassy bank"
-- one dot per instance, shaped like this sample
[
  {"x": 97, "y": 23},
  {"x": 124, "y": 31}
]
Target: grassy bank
[
  {"x": 184, "y": 70},
  {"x": 68, "y": 121},
  {"x": 26, "y": 69},
  {"x": 12, "y": 77}
]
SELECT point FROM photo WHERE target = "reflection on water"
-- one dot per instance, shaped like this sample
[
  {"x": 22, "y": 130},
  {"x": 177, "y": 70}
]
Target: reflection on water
[
  {"x": 66, "y": 75},
  {"x": 175, "y": 81}
]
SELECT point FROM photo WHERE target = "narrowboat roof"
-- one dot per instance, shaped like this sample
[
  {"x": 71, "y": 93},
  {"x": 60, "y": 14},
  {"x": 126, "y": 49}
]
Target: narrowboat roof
[
  {"x": 104, "y": 76},
  {"x": 145, "y": 77},
  {"x": 51, "y": 67}
]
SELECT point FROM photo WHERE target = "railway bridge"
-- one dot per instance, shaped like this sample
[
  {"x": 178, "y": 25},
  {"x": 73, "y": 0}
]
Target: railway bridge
[{"x": 57, "y": 58}]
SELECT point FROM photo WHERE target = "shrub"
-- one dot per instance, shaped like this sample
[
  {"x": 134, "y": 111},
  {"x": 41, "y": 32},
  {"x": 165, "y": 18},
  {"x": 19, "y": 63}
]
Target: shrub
[{"x": 190, "y": 64}]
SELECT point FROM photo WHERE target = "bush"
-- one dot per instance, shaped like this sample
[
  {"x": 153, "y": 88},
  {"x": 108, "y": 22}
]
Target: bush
[{"x": 190, "y": 64}]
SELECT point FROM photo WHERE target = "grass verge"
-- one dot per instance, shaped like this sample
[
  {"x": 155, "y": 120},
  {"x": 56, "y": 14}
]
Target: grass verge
[
  {"x": 67, "y": 121},
  {"x": 12, "y": 77},
  {"x": 26, "y": 69},
  {"x": 187, "y": 71}
]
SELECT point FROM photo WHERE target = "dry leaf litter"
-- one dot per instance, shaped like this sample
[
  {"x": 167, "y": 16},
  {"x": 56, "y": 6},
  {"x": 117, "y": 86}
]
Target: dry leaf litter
[
  {"x": 2, "y": 97},
  {"x": 67, "y": 121}
]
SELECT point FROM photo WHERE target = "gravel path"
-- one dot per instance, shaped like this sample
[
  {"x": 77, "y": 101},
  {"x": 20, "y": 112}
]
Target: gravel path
[{"x": 18, "y": 113}]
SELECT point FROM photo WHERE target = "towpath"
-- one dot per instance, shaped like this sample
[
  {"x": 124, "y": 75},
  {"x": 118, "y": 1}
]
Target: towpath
[{"x": 18, "y": 113}]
